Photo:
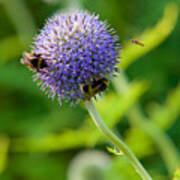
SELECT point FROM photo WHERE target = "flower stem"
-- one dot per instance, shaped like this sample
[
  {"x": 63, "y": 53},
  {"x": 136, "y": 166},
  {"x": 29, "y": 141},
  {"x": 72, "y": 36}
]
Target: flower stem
[
  {"x": 116, "y": 141},
  {"x": 165, "y": 145}
]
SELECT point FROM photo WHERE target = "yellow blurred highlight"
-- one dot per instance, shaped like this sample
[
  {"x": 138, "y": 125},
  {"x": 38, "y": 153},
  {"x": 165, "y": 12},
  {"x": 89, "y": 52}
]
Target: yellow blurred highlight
[
  {"x": 177, "y": 174},
  {"x": 151, "y": 38},
  {"x": 4, "y": 145},
  {"x": 114, "y": 151}
]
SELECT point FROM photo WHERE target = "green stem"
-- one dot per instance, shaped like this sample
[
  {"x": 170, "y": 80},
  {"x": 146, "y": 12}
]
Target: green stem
[
  {"x": 116, "y": 141},
  {"x": 167, "y": 148}
]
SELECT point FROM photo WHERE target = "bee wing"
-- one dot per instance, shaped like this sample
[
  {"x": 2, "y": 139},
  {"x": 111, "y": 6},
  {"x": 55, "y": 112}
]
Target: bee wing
[
  {"x": 22, "y": 60},
  {"x": 27, "y": 57},
  {"x": 25, "y": 60}
]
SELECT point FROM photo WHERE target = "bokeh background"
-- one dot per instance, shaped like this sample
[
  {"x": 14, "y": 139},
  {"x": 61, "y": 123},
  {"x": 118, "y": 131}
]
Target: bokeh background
[{"x": 40, "y": 140}]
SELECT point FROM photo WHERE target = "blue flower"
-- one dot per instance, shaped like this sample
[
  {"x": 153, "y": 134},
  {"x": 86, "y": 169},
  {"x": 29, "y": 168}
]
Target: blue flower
[{"x": 77, "y": 48}]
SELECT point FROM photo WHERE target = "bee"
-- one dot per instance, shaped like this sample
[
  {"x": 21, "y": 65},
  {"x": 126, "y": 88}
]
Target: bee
[
  {"x": 33, "y": 61},
  {"x": 137, "y": 42},
  {"x": 95, "y": 87}
]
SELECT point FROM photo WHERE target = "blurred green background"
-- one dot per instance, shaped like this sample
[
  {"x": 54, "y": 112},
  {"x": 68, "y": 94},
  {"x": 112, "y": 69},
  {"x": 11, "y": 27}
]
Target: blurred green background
[{"x": 39, "y": 140}]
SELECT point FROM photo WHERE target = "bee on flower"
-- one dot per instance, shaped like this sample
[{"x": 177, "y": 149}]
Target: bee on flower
[{"x": 74, "y": 56}]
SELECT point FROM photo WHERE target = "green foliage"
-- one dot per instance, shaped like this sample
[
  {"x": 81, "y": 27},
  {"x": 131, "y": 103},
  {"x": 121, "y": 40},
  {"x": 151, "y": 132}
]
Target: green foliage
[
  {"x": 151, "y": 37},
  {"x": 8, "y": 50},
  {"x": 165, "y": 115},
  {"x": 120, "y": 169},
  {"x": 4, "y": 145},
  {"x": 177, "y": 175},
  {"x": 38, "y": 138}
]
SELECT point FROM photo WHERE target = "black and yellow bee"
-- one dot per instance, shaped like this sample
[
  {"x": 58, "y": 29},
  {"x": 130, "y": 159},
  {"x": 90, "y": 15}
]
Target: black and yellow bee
[
  {"x": 33, "y": 61},
  {"x": 95, "y": 87}
]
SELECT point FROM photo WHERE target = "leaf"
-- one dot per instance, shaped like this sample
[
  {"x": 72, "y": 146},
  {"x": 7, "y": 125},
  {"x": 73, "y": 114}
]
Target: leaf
[
  {"x": 114, "y": 151},
  {"x": 139, "y": 142},
  {"x": 4, "y": 146},
  {"x": 68, "y": 139},
  {"x": 165, "y": 115},
  {"x": 113, "y": 107},
  {"x": 21, "y": 19},
  {"x": 87, "y": 135}
]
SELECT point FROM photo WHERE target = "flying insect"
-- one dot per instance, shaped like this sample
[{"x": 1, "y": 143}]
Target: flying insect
[{"x": 137, "y": 42}]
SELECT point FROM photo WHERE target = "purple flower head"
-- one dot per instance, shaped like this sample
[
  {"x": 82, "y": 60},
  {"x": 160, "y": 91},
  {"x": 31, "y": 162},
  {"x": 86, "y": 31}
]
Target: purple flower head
[{"x": 77, "y": 48}]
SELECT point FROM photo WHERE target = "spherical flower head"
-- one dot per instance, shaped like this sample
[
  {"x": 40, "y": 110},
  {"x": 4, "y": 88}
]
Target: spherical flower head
[{"x": 77, "y": 48}]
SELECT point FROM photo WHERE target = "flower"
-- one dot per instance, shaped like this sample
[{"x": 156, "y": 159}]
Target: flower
[{"x": 77, "y": 48}]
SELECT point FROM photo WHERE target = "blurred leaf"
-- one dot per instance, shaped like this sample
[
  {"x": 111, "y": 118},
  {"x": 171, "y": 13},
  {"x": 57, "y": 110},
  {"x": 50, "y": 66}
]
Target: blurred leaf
[
  {"x": 112, "y": 107},
  {"x": 177, "y": 175},
  {"x": 139, "y": 120},
  {"x": 69, "y": 139},
  {"x": 14, "y": 76},
  {"x": 10, "y": 48},
  {"x": 165, "y": 145},
  {"x": 151, "y": 37},
  {"x": 21, "y": 18},
  {"x": 165, "y": 115},
  {"x": 36, "y": 166},
  {"x": 87, "y": 135},
  {"x": 120, "y": 169},
  {"x": 52, "y": 1},
  {"x": 4, "y": 146},
  {"x": 139, "y": 142}
]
